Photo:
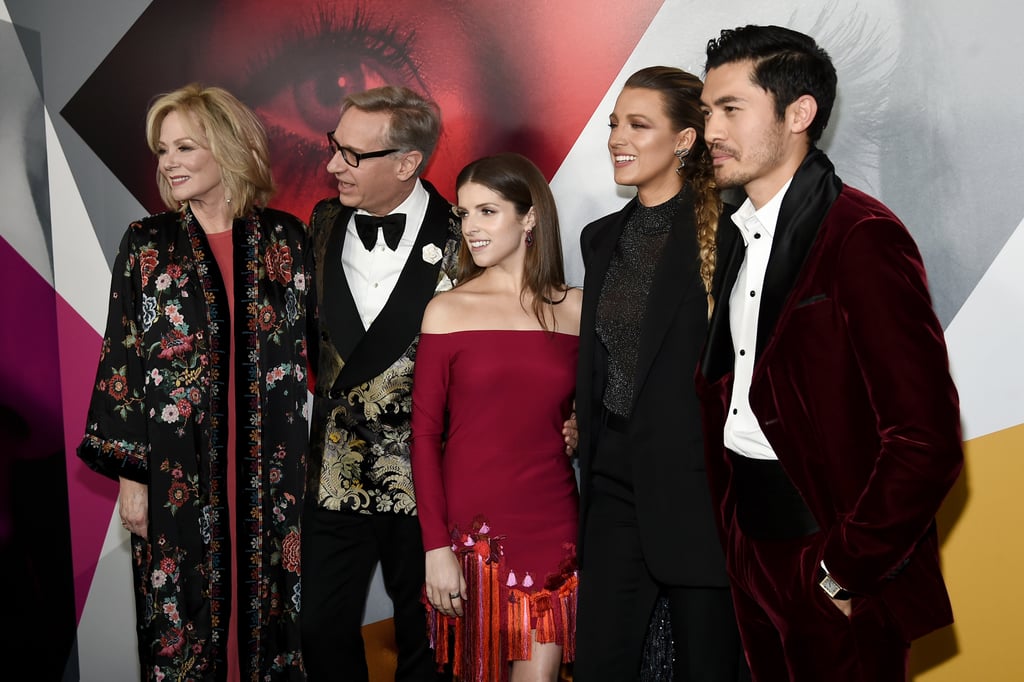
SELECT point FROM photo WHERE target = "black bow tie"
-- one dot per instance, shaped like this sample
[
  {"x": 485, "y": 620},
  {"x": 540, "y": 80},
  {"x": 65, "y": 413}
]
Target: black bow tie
[{"x": 394, "y": 226}]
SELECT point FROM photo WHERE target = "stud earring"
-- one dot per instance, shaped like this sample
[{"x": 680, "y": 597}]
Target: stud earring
[{"x": 529, "y": 238}]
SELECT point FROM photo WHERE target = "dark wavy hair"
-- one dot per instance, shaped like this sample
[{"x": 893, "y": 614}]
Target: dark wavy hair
[
  {"x": 517, "y": 180},
  {"x": 786, "y": 63}
]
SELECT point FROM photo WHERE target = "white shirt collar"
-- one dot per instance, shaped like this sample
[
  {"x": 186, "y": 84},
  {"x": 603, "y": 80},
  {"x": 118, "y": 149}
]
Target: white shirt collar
[{"x": 747, "y": 219}]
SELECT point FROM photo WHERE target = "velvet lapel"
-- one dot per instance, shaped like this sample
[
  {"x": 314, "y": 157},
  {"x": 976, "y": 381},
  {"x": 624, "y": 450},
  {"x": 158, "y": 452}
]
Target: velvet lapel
[
  {"x": 399, "y": 322},
  {"x": 672, "y": 283},
  {"x": 814, "y": 189},
  {"x": 342, "y": 317}
]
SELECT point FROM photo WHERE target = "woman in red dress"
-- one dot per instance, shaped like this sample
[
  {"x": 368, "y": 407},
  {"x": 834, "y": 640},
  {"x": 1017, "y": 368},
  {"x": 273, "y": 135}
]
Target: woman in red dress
[{"x": 494, "y": 383}]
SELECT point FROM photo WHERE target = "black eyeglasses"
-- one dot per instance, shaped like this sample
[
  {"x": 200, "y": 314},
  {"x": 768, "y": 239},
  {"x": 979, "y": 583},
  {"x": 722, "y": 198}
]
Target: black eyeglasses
[{"x": 350, "y": 156}]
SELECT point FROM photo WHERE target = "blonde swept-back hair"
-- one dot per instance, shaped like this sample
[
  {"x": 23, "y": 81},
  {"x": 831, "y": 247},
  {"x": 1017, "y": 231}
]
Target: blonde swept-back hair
[
  {"x": 517, "y": 180},
  {"x": 680, "y": 92},
  {"x": 236, "y": 138}
]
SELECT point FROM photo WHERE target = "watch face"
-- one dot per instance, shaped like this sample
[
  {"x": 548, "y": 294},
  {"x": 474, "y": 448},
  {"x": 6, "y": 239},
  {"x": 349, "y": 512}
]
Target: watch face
[{"x": 831, "y": 587}]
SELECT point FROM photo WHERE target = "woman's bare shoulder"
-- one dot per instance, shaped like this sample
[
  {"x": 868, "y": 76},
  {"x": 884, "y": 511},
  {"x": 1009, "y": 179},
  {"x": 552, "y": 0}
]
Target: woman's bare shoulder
[
  {"x": 443, "y": 312},
  {"x": 568, "y": 311},
  {"x": 574, "y": 297}
]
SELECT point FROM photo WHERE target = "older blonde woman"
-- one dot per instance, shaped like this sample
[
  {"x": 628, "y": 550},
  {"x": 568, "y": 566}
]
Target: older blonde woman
[{"x": 198, "y": 406}]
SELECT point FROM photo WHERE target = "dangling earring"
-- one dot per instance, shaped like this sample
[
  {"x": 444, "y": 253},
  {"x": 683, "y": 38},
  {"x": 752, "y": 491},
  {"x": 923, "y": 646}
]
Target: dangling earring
[
  {"x": 529, "y": 238},
  {"x": 681, "y": 154}
]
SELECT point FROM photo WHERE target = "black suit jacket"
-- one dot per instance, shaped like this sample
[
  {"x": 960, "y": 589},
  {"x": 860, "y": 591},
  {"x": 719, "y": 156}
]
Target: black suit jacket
[
  {"x": 673, "y": 505},
  {"x": 363, "y": 393}
]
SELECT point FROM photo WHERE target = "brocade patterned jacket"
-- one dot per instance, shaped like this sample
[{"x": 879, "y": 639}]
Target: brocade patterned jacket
[{"x": 362, "y": 405}]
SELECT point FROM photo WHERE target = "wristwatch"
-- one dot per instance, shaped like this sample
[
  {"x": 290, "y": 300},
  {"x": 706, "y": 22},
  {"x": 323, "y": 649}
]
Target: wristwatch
[{"x": 831, "y": 587}]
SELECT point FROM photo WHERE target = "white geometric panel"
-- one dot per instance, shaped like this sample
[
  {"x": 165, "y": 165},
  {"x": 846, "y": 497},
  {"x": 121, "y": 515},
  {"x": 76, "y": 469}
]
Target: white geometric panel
[
  {"x": 81, "y": 275},
  {"x": 985, "y": 341}
]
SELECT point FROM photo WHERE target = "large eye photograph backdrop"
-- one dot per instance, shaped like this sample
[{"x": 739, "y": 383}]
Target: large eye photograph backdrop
[
  {"x": 926, "y": 119},
  {"x": 506, "y": 76}
]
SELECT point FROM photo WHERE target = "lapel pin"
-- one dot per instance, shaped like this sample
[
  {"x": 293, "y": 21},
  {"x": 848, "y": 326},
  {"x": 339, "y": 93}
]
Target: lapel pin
[{"x": 431, "y": 253}]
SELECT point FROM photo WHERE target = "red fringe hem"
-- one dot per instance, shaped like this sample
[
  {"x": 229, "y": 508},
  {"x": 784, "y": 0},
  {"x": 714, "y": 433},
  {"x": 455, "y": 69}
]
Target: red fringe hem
[{"x": 499, "y": 620}]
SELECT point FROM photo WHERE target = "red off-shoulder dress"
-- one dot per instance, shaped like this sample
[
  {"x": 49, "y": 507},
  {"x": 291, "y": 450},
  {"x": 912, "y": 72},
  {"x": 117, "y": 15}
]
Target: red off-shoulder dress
[{"x": 493, "y": 482}]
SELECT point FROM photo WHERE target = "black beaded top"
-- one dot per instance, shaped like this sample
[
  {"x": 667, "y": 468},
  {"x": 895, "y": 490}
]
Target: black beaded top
[{"x": 622, "y": 306}]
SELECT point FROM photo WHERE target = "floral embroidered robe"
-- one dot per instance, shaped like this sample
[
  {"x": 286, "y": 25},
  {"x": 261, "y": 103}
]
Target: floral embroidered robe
[{"x": 157, "y": 416}]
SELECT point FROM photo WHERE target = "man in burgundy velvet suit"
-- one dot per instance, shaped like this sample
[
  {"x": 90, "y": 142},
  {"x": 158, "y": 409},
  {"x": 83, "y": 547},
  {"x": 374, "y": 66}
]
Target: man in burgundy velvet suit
[{"x": 831, "y": 421}]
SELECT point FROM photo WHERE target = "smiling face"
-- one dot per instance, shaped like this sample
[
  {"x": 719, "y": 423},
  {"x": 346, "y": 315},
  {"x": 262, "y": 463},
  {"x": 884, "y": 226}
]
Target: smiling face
[
  {"x": 643, "y": 144},
  {"x": 751, "y": 148},
  {"x": 187, "y": 167},
  {"x": 493, "y": 230}
]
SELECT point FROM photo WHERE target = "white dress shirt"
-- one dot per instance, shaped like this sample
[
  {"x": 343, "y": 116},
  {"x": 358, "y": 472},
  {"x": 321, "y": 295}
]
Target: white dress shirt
[
  {"x": 372, "y": 274},
  {"x": 743, "y": 434}
]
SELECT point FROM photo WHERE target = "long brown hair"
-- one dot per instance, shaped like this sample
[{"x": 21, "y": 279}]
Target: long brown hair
[
  {"x": 517, "y": 180},
  {"x": 680, "y": 91}
]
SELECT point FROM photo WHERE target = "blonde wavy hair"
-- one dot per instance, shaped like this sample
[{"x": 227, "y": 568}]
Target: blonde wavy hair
[{"x": 236, "y": 138}]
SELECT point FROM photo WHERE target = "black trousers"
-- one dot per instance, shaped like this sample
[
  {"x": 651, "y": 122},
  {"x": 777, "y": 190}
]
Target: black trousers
[
  {"x": 340, "y": 550},
  {"x": 618, "y": 595}
]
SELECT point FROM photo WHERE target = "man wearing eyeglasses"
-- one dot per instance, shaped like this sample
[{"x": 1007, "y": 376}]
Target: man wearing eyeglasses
[{"x": 384, "y": 246}]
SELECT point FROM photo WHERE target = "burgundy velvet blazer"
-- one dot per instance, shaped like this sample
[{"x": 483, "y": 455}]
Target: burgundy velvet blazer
[{"x": 851, "y": 386}]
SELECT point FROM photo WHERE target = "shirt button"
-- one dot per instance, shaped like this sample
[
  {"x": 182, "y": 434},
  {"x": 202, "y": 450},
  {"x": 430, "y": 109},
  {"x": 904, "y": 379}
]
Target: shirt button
[
  {"x": 376, "y": 284},
  {"x": 752, "y": 293},
  {"x": 742, "y": 352},
  {"x": 734, "y": 410},
  {"x": 757, "y": 235}
]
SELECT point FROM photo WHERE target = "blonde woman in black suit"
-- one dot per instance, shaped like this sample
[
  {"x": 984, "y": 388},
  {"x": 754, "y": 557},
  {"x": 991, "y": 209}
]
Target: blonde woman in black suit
[{"x": 646, "y": 522}]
